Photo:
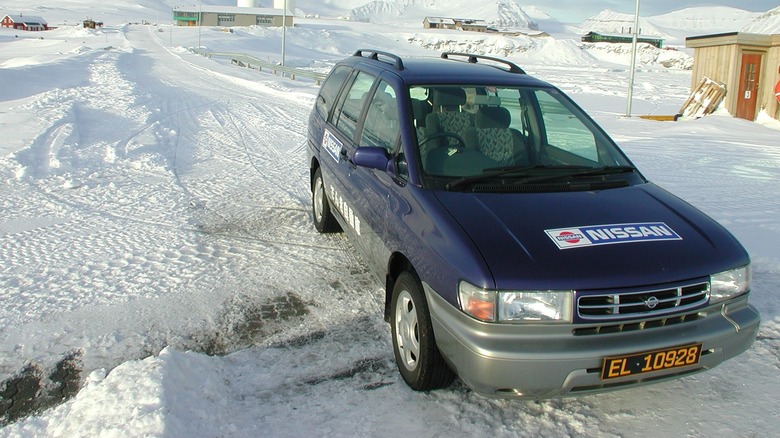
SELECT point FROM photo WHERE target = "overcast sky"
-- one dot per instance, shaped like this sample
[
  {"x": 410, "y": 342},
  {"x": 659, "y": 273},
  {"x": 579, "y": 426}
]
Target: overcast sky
[{"x": 577, "y": 11}]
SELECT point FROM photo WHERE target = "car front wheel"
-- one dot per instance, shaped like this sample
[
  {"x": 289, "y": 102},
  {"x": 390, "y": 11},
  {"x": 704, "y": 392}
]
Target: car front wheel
[{"x": 416, "y": 354}]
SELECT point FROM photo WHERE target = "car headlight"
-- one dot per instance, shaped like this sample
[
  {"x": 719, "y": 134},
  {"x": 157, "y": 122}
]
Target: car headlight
[
  {"x": 729, "y": 284},
  {"x": 538, "y": 306}
]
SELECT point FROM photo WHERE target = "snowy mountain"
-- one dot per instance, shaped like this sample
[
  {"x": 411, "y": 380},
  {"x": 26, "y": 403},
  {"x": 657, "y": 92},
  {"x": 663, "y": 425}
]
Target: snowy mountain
[
  {"x": 766, "y": 23},
  {"x": 536, "y": 13},
  {"x": 609, "y": 21},
  {"x": 674, "y": 27},
  {"x": 498, "y": 13},
  {"x": 511, "y": 15},
  {"x": 704, "y": 20},
  {"x": 405, "y": 17},
  {"x": 515, "y": 14},
  {"x": 376, "y": 11}
]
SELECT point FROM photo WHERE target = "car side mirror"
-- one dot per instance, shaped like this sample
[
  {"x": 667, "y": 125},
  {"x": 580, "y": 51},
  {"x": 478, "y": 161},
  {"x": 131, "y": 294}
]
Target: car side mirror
[{"x": 372, "y": 157}]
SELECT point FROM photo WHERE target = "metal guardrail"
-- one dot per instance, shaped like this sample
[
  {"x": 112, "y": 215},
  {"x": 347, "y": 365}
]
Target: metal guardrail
[{"x": 244, "y": 60}]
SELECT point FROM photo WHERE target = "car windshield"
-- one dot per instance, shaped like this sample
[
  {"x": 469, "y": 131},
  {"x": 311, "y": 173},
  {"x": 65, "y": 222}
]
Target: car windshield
[{"x": 511, "y": 136}]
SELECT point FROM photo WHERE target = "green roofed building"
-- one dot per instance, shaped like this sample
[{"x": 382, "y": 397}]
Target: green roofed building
[{"x": 595, "y": 37}]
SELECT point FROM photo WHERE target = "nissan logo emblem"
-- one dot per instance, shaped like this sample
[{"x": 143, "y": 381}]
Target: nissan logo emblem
[{"x": 651, "y": 302}]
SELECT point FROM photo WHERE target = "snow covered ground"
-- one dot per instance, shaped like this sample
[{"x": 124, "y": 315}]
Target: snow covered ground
[{"x": 155, "y": 237}]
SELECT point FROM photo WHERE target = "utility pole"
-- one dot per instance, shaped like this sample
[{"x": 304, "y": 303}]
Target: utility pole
[
  {"x": 284, "y": 29},
  {"x": 633, "y": 61},
  {"x": 200, "y": 22}
]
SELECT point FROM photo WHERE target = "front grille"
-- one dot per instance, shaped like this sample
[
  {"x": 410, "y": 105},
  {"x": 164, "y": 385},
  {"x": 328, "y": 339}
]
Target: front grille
[
  {"x": 612, "y": 305},
  {"x": 617, "y": 327}
]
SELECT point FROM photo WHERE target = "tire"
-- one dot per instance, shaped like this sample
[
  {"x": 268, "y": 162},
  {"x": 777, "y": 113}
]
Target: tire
[
  {"x": 324, "y": 221},
  {"x": 416, "y": 354}
]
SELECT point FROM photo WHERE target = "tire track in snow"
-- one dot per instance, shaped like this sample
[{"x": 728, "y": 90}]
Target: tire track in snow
[{"x": 247, "y": 155}]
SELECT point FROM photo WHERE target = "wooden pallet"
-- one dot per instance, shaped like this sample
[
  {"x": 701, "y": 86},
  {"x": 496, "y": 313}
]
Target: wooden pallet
[{"x": 704, "y": 99}]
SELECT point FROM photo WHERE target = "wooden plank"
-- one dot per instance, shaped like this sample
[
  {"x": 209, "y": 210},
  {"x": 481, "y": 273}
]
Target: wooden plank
[{"x": 661, "y": 118}]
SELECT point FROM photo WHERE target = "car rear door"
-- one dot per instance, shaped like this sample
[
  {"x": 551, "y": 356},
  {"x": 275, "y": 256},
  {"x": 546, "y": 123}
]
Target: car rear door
[{"x": 339, "y": 140}]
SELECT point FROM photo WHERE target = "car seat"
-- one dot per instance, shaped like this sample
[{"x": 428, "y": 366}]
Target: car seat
[
  {"x": 447, "y": 115},
  {"x": 493, "y": 137}
]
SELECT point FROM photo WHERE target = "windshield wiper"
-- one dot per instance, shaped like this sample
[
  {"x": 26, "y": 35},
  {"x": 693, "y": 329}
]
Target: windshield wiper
[
  {"x": 493, "y": 172},
  {"x": 531, "y": 173},
  {"x": 594, "y": 171}
]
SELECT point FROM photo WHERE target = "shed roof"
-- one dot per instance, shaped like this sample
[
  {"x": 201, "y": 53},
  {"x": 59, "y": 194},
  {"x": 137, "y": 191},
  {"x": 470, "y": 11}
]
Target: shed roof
[
  {"x": 472, "y": 21},
  {"x": 448, "y": 20},
  {"x": 736, "y": 38},
  {"x": 440, "y": 20}
]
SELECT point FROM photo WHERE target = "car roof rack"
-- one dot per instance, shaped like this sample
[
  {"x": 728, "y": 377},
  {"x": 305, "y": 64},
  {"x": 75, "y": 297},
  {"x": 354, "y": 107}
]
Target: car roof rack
[
  {"x": 473, "y": 59},
  {"x": 394, "y": 60}
]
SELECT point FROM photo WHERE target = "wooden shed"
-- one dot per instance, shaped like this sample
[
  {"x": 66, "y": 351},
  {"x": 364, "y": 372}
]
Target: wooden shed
[
  {"x": 92, "y": 24},
  {"x": 748, "y": 64}
]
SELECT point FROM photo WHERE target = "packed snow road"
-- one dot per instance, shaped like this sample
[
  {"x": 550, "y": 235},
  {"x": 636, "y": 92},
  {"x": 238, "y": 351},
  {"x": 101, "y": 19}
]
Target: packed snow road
[{"x": 159, "y": 210}]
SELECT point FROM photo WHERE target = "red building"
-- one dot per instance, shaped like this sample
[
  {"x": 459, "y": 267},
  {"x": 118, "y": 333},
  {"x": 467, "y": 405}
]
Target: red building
[{"x": 25, "y": 22}]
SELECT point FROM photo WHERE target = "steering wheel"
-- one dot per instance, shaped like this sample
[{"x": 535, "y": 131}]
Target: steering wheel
[{"x": 442, "y": 134}]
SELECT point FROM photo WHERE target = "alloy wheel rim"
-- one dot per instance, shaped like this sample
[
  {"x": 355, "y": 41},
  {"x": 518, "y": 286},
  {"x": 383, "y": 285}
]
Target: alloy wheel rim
[
  {"x": 319, "y": 200},
  {"x": 407, "y": 331}
]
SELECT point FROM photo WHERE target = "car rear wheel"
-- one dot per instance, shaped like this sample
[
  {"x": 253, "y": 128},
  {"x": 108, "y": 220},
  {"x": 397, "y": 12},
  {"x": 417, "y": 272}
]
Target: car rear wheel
[
  {"x": 324, "y": 221},
  {"x": 416, "y": 354}
]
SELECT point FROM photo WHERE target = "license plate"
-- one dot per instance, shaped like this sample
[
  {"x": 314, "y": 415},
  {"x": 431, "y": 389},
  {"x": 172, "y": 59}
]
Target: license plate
[{"x": 649, "y": 361}]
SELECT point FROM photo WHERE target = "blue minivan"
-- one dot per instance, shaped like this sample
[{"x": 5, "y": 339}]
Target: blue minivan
[{"x": 520, "y": 249}]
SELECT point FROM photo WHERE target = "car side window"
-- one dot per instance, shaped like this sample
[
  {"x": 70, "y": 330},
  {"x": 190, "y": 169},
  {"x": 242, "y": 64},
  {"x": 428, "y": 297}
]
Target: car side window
[
  {"x": 381, "y": 126},
  {"x": 330, "y": 90},
  {"x": 347, "y": 117}
]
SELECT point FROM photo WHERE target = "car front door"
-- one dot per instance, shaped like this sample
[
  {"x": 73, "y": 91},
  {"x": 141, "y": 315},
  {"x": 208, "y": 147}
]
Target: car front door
[{"x": 380, "y": 129}]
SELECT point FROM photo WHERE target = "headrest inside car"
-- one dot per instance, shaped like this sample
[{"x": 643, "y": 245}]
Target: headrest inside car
[
  {"x": 449, "y": 97},
  {"x": 493, "y": 117}
]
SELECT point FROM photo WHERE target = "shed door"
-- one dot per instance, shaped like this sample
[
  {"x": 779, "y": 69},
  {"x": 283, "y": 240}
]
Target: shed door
[{"x": 748, "y": 86}]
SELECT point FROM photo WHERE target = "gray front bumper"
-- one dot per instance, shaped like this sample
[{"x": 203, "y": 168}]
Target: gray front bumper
[{"x": 537, "y": 361}]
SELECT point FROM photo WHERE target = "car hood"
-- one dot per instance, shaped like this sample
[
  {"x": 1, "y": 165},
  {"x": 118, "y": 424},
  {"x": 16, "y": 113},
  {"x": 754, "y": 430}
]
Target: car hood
[{"x": 633, "y": 236}]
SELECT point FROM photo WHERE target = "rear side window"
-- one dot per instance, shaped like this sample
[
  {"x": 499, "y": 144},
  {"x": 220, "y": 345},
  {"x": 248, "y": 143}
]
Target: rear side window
[
  {"x": 347, "y": 116},
  {"x": 330, "y": 90}
]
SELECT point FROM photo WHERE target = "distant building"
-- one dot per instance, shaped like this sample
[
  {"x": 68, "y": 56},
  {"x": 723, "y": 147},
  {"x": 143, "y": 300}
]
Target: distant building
[
  {"x": 231, "y": 16},
  {"x": 747, "y": 64},
  {"x": 596, "y": 37},
  {"x": 92, "y": 24},
  {"x": 25, "y": 22},
  {"x": 468, "y": 24},
  {"x": 524, "y": 32}
]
